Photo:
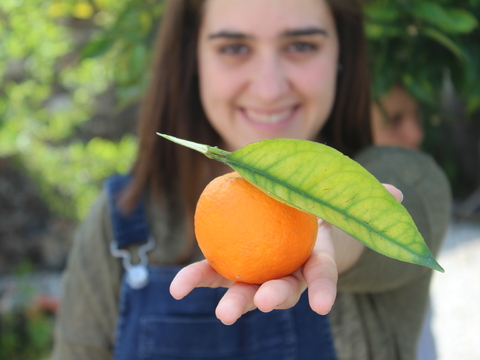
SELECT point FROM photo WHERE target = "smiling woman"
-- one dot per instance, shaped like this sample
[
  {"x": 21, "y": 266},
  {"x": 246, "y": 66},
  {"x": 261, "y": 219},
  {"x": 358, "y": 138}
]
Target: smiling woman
[
  {"x": 271, "y": 76},
  {"x": 227, "y": 73}
]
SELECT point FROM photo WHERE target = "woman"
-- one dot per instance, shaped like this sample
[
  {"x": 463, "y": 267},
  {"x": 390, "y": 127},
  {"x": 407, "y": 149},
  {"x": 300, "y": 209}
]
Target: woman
[
  {"x": 226, "y": 73},
  {"x": 396, "y": 120}
]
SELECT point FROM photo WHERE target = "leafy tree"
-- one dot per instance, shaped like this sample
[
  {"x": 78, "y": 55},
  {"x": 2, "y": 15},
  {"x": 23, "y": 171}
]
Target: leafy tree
[
  {"x": 57, "y": 58},
  {"x": 423, "y": 45}
]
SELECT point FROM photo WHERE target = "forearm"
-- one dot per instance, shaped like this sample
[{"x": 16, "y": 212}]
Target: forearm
[{"x": 347, "y": 250}]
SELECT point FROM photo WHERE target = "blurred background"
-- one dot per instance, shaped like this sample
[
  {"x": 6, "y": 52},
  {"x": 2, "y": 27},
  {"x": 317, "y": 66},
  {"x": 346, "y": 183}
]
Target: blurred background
[{"x": 72, "y": 73}]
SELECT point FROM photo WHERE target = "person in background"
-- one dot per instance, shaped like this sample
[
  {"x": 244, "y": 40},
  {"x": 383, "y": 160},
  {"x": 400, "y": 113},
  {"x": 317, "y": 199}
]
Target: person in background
[
  {"x": 396, "y": 120},
  {"x": 227, "y": 73}
]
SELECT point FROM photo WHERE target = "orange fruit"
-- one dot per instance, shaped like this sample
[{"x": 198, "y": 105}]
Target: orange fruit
[{"x": 248, "y": 236}]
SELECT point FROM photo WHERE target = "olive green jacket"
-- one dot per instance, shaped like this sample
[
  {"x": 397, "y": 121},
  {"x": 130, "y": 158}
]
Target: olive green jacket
[{"x": 380, "y": 303}]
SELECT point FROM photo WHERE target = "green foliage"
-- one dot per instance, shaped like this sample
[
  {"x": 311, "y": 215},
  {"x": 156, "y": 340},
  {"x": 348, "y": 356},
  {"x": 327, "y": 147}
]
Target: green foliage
[
  {"x": 420, "y": 44},
  {"x": 75, "y": 172},
  {"x": 25, "y": 329},
  {"x": 25, "y": 336},
  {"x": 127, "y": 41},
  {"x": 52, "y": 78}
]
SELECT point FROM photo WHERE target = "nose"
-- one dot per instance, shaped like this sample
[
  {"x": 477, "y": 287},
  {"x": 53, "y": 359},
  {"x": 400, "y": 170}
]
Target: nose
[
  {"x": 412, "y": 132},
  {"x": 269, "y": 80}
]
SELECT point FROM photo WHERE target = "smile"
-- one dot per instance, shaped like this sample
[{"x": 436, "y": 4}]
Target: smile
[{"x": 269, "y": 117}]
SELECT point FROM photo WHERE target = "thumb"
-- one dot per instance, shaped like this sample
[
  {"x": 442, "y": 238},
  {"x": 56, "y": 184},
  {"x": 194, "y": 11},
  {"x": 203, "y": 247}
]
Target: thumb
[{"x": 394, "y": 191}]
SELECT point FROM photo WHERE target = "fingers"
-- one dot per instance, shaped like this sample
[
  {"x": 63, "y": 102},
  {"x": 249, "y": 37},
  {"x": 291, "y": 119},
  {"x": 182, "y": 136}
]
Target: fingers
[
  {"x": 199, "y": 274},
  {"x": 240, "y": 297},
  {"x": 321, "y": 273},
  {"x": 237, "y": 301},
  {"x": 280, "y": 293},
  {"x": 275, "y": 294},
  {"x": 394, "y": 191}
]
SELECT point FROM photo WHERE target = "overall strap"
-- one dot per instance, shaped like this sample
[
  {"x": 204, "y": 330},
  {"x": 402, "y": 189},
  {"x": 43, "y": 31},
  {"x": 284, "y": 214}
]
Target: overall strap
[{"x": 129, "y": 229}]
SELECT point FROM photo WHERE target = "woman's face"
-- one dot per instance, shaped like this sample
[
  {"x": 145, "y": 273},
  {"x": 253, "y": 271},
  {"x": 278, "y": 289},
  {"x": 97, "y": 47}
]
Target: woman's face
[
  {"x": 403, "y": 126},
  {"x": 267, "y": 68}
]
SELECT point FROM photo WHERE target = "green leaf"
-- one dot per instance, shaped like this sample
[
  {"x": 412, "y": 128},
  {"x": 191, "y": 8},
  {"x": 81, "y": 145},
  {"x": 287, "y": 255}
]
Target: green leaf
[
  {"x": 381, "y": 31},
  {"x": 453, "y": 21},
  {"x": 322, "y": 181},
  {"x": 444, "y": 40},
  {"x": 96, "y": 48},
  {"x": 384, "y": 12},
  {"x": 138, "y": 58},
  {"x": 473, "y": 104}
]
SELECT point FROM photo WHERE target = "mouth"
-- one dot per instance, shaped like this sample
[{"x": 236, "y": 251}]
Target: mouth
[{"x": 269, "y": 117}]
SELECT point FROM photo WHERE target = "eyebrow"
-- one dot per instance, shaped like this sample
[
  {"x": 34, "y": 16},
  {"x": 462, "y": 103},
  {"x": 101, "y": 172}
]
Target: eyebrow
[
  {"x": 228, "y": 35},
  {"x": 305, "y": 32},
  {"x": 309, "y": 31}
]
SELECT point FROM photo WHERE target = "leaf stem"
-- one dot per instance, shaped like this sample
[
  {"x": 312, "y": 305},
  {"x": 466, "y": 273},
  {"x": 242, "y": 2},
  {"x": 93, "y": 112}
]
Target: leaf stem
[{"x": 211, "y": 152}]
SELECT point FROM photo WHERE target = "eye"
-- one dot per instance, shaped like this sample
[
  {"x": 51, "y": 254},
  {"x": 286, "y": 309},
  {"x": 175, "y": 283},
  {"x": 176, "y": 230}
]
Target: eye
[
  {"x": 396, "y": 119},
  {"x": 301, "y": 47},
  {"x": 235, "y": 49}
]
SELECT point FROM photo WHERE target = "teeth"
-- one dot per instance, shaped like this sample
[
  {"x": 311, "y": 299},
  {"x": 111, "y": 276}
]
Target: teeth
[{"x": 269, "y": 118}]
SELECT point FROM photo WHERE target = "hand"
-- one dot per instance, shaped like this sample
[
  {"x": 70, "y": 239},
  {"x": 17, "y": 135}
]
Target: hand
[{"x": 319, "y": 274}]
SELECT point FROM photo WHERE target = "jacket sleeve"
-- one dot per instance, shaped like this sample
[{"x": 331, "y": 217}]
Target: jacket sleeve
[
  {"x": 90, "y": 288},
  {"x": 427, "y": 197}
]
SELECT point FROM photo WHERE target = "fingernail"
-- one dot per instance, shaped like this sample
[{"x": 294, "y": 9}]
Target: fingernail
[{"x": 401, "y": 193}]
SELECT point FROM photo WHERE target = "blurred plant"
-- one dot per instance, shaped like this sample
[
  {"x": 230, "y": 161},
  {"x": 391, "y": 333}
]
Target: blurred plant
[
  {"x": 25, "y": 335},
  {"x": 425, "y": 45},
  {"x": 126, "y": 42},
  {"x": 56, "y": 58},
  {"x": 26, "y": 326}
]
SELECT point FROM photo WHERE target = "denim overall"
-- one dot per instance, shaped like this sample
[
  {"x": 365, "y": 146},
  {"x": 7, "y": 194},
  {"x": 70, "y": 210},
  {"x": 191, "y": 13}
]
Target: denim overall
[{"x": 153, "y": 325}]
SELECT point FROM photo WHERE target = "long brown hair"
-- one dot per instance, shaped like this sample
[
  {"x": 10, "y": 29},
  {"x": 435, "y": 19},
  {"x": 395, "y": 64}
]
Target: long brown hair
[
  {"x": 348, "y": 128},
  {"x": 172, "y": 105}
]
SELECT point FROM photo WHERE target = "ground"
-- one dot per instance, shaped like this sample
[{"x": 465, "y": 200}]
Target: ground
[{"x": 456, "y": 294}]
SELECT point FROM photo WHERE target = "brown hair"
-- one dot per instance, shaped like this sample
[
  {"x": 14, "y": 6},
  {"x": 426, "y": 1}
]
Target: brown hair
[
  {"x": 172, "y": 105},
  {"x": 348, "y": 129}
]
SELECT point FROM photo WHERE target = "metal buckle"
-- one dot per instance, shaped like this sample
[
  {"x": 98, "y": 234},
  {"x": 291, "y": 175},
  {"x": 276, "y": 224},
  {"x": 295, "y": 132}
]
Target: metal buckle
[{"x": 137, "y": 275}]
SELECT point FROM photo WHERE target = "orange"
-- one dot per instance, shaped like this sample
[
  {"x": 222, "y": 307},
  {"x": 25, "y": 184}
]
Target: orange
[{"x": 248, "y": 236}]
